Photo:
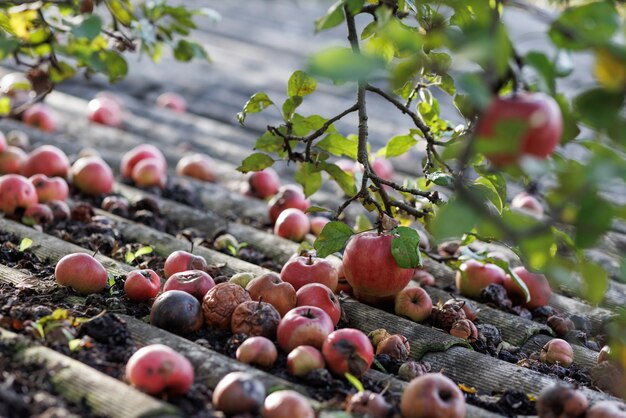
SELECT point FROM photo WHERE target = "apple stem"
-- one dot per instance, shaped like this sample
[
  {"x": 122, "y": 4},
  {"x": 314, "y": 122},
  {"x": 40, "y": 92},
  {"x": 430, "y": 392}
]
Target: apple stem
[
  {"x": 96, "y": 252},
  {"x": 191, "y": 249},
  {"x": 310, "y": 260}
]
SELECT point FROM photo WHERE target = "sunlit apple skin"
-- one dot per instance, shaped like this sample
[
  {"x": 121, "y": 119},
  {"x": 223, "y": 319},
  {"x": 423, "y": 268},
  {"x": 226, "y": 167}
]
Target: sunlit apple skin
[
  {"x": 48, "y": 189},
  {"x": 538, "y": 286},
  {"x": 370, "y": 267},
  {"x": 140, "y": 152},
  {"x": 304, "y": 359},
  {"x": 3, "y": 143},
  {"x": 142, "y": 285},
  {"x": 81, "y": 272},
  {"x": 432, "y": 396},
  {"x": 317, "y": 224},
  {"x": 148, "y": 173},
  {"x": 11, "y": 160},
  {"x": 527, "y": 203},
  {"x": 287, "y": 404},
  {"x": 288, "y": 196},
  {"x": 172, "y": 101},
  {"x": 48, "y": 160},
  {"x": 16, "y": 192},
  {"x": 413, "y": 303},
  {"x": 270, "y": 288},
  {"x": 317, "y": 294},
  {"x": 304, "y": 325},
  {"x": 92, "y": 176},
  {"x": 348, "y": 350},
  {"x": 105, "y": 111},
  {"x": 473, "y": 276},
  {"x": 540, "y": 116},
  {"x": 157, "y": 369},
  {"x": 557, "y": 351},
  {"x": 195, "y": 282},
  {"x": 264, "y": 183},
  {"x": 198, "y": 166},
  {"x": 292, "y": 224},
  {"x": 183, "y": 261},
  {"x": 302, "y": 270},
  {"x": 40, "y": 116}
]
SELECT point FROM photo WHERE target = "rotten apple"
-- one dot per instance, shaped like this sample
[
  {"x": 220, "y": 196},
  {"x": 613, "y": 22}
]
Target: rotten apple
[
  {"x": 348, "y": 350},
  {"x": 473, "y": 276},
  {"x": 557, "y": 351},
  {"x": 432, "y": 395},
  {"x": 195, "y": 282},
  {"x": 176, "y": 311},
  {"x": 142, "y": 285},
  {"x": 271, "y": 289}
]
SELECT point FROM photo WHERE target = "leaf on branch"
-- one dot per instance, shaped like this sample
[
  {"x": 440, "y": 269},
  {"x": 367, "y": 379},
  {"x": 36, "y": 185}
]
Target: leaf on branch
[
  {"x": 397, "y": 145},
  {"x": 595, "y": 281},
  {"x": 452, "y": 220},
  {"x": 342, "y": 64},
  {"x": 89, "y": 28},
  {"x": 255, "y": 104},
  {"x": 343, "y": 179},
  {"x": 290, "y": 106},
  {"x": 185, "y": 51},
  {"x": 339, "y": 145},
  {"x": 255, "y": 162},
  {"x": 405, "y": 247},
  {"x": 309, "y": 177},
  {"x": 122, "y": 10},
  {"x": 269, "y": 142},
  {"x": 300, "y": 84},
  {"x": 317, "y": 209},
  {"x": 586, "y": 25},
  {"x": 332, "y": 238},
  {"x": 440, "y": 178},
  {"x": 333, "y": 17}
]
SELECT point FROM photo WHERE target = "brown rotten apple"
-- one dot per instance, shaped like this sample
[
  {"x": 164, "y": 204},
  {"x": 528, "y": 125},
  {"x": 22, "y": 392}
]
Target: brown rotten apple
[
  {"x": 195, "y": 282},
  {"x": 561, "y": 401},
  {"x": 81, "y": 272},
  {"x": 38, "y": 214},
  {"x": 271, "y": 289},
  {"x": 348, "y": 350},
  {"x": 238, "y": 393},
  {"x": 413, "y": 303},
  {"x": 557, "y": 351},
  {"x": 473, "y": 276},
  {"x": 536, "y": 116},
  {"x": 220, "y": 302},
  {"x": 371, "y": 269},
  {"x": 176, "y": 311},
  {"x": 432, "y": 395},
  {"x": 302, "y": 270}
]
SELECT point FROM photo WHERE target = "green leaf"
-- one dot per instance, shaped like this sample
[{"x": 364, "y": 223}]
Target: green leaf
[
  {"x": 5, "y": 106},
  {"x": 129, "y": 258},
  {"x": 397, "y": 145},
  {"x": 269, "y": 142},
  {"x": 598, "y": 107},
  {"x": 405, "y": 248},
  {"x": 440, "y": 178},
  {"x": 255, "y": 104},
  {"x": 144, "y": 251},
  {"x": 290, "y": 106},
  {"x": 586, "y": 25},
  {"x": 74, "y": 344},
  {"x": 362, "y": 224},
  {"x": 453, "y": 220},
  {"x": 332, "y": 239},
  {"x": 594, "y": 218},
  {"x": 354, "y": 381},
  {"x": 333, "y": 17},
  {"x": 25, "y": 244},
  {"x": 339, "y": 145},
  {"x": 186, "y": 51},
  {"x": 343, "y": 179},
  {"x": 255, "y": 162},
  {"x": 309, "y": 177},
  {"x": 317, "y": 209},
  {"x": 61, "y": 71},
  {"x": 486, "y": 187},
  {"x": 116, "y": 66},
  {"x": 518, "y": 280},
  {"x": 121, "y": 10},
  {"x": 595, "y": 281},
  {"x": 545, "y": 69},
  {"x": 89, "y": 28},
  {"x": 301, "y": 84},
  {"x": 342, "y": 64}
]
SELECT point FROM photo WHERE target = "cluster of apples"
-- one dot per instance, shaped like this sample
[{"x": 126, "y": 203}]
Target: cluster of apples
[
  {"x": 35, "y": 185},
  {"x": 563, "y": 400}
]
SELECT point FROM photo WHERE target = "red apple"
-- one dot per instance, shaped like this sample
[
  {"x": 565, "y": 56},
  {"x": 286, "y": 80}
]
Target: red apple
[
  {"x": 423, "y": 277},
  {"x": 536, "y": 116},
  {"x": 149, "y": 173},
  {"x": 382, "y": 168},
  {"x": 271, "y": 289},
  {"x": 198, "y": 166},
  {"x": 258, "y": 351},
  {"x": 302, "y": 270},
  {"x": 40, "y": 116},
  {"x": 413, "y": 303},
  {"x": 264, "y": 183},
  {"x": 157, "y": 369},
  {"x": 370, "y": 267},
  {"x": 289, "y": 196},
  {"x": 142, "y": 285},
  {"x": 92, "y": 176},
  {"x": 81, "y": 272},
  {"x": 321, "y": 296},
  {"x": 48, "y": 189},
  {"x": 607, "y": 409},
  {"x": 292, "y": 224},
  {"x": 183, "y": 261},
  {"x": 432, "y": 395},
  {"x": 239, "y": 393},
  {"x": 304, "y": 359},
  {"x": 16, "y": 192},
  {"x": 11, "y": 160},
  {"x": 304, "y": 325},
  {"x": 348, "y": 350},
  {"x": 473, "y": 276},
  {"x": 48, "y": 160},
  {"x": 140, "y": 152},
  {"x": 173, "y": 101},
  {"x": 605, "y": 354},
  {"x": 537, "y": 284},
  {"x": 527, "y": 203},
  {"x": 287, "y": 404},
  {"x": 557, "y": 351},
  {"x": 317, "y": 224},
  {"x": 105, "y": 111},
  {"x": 38, "y": 214},
  {"x": 195, "y": 282}
]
